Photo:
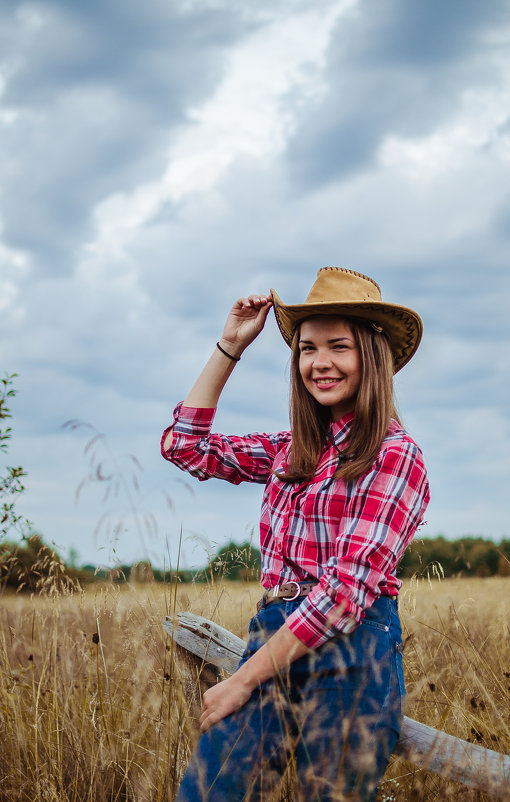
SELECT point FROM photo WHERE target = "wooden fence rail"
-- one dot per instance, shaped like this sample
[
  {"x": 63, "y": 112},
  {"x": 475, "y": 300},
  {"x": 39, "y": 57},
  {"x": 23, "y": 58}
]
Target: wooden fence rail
[{"x": 423, "y": 746}]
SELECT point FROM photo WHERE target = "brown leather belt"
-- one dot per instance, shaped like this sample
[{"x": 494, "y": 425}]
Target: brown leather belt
[{"x": 289, "y": 591}]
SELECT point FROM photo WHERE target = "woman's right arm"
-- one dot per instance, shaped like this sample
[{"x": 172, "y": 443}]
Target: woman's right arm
[{"x": 244, "y": 323}]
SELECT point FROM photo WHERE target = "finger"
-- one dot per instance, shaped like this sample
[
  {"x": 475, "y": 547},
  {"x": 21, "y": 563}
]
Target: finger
[
  {"x": 265, "y": 308},
  {"x": 254, "y": 302},
  {"x": 259, "y": 297},
  {"x": 245, "y": 304},
  {"x": 242, "y": 303},
  {"x": 206, "y": 721},
  {"x": 259, "y": 300}
]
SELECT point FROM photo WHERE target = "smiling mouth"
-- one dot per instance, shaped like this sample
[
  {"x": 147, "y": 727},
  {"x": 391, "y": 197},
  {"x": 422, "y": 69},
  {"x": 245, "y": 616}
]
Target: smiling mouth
[{"x": 326, "y": 381}]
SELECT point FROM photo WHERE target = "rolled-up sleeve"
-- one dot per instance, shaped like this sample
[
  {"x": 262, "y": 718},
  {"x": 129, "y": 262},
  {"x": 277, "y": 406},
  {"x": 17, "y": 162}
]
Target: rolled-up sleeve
[
  {"x": 203, "y": 454},
  {"x": 382, "y": 512}
]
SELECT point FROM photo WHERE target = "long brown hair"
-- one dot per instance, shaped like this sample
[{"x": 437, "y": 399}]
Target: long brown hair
[{"x": 373, "y": 410}]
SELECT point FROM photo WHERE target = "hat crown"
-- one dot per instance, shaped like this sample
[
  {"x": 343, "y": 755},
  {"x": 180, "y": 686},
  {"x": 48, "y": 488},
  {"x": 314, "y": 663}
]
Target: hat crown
[{"x": 338, "y": 284}]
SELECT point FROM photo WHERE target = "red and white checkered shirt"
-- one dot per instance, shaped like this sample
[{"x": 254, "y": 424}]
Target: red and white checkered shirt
[{"x": 346, "y": 536}]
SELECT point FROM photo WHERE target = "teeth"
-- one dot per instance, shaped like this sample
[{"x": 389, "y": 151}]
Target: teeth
[{"x": 326, "y": 381}]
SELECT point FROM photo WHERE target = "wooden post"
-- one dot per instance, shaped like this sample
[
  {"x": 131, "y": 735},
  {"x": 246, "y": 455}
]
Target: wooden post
[{"x": 424, "y": 746}]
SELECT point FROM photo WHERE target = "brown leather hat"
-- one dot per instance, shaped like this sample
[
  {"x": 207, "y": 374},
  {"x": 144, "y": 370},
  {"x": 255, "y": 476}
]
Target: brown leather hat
[{"x": 338, "y": 291}]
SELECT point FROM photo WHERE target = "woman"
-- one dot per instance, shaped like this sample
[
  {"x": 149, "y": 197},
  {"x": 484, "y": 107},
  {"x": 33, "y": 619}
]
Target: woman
[{"x": 320, "y": 686}]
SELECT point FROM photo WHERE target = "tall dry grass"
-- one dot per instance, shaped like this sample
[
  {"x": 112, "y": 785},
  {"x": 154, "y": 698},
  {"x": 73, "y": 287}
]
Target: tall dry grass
[
  {"x": 457, "y": 665},
  {"x": 96, "y": 704}
]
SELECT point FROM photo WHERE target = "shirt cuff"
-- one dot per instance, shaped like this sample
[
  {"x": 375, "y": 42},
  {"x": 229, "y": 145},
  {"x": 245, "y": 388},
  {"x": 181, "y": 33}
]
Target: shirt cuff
[
  {"x": 193, "y": 420},
  {"x": 188, "y": 422}
]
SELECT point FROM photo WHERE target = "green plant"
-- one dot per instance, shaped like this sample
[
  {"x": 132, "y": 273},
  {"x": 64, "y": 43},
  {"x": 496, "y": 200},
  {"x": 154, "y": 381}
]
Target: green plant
[
  {"x": 11, "y": 482},
  {"x": 236, "y": 562}
]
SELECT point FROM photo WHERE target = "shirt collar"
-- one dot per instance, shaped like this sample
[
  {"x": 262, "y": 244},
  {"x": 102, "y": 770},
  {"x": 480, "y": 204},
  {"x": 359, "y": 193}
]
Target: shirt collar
[{"x": 340, "y": 428}]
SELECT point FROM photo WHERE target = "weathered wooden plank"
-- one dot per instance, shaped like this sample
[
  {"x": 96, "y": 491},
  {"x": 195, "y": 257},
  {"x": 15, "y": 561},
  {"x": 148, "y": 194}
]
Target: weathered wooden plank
[
  {"x": 420, "y": 744},
  {"x": 454, "y": 758},
  {"x": 212, "y": 643}
]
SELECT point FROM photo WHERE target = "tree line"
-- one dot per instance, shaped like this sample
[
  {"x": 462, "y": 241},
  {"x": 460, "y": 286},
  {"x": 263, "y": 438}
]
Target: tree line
[{"x": 32, "y": 565}]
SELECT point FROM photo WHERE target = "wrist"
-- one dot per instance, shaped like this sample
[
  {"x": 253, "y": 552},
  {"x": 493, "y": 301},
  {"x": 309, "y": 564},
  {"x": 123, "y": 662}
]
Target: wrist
[
  {"x": 247, "y": 676},
  {"x": 229, "y": 348}
]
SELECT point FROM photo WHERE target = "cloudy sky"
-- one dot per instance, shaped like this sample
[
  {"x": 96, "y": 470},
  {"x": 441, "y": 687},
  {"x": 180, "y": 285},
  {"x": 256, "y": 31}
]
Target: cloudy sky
[{"x": 160, "y": 159}]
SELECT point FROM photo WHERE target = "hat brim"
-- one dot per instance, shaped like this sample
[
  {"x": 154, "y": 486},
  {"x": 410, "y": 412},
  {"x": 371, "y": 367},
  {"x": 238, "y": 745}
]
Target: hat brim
[{"x": 402, "y": 326}]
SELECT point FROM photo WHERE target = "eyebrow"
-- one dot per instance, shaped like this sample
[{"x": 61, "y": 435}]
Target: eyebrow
[{"x": 334, "y": 340}]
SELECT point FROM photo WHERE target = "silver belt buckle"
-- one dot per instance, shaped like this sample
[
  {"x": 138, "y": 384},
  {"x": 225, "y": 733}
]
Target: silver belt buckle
[
  {"x": 272, "y": 593},
  {"x": 297, "y": 593}
]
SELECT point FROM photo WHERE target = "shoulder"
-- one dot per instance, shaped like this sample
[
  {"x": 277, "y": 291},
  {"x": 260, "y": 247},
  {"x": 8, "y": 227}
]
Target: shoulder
[
  {"x": 273, "y": 443},
  {"x": 279, "y": 440},
  {"x": 282, "y": 437},
  {"x": 399, "y": 453},
  {"x": 397, "y": 437}
]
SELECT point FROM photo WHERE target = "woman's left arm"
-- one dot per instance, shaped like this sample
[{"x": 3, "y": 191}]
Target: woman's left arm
[{"x": 228, "y": 696}]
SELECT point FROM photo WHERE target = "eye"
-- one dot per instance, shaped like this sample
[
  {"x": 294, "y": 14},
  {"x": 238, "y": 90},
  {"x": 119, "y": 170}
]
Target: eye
[{"x": 305, "y": 348}]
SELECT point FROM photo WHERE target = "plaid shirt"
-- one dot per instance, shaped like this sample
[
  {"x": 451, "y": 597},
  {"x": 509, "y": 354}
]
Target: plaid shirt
[{"x": 346, "y": 536}]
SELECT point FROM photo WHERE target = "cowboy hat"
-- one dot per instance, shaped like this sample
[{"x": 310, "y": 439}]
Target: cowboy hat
[{"x": 338, "y": 291}]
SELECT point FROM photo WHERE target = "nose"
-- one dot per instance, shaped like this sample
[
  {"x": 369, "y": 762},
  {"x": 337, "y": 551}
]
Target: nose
[{"x": 322, "y": 360}]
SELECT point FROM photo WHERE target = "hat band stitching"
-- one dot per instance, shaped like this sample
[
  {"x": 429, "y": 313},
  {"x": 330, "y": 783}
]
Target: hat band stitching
[{"x": 352, "y": 273}]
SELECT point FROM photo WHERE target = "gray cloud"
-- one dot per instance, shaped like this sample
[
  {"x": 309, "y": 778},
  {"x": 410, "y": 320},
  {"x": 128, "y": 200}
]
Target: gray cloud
[
  {"x": 388, "y": 154},
  {"x": 427, "y": 35},
  {"x": 97, "y": 92},
  {"x": 393, "y": 68}
]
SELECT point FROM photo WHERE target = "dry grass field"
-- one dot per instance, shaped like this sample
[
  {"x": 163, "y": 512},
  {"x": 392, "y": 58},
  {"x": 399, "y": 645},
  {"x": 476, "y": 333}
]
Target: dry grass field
[{"x": 96, "y": 705}]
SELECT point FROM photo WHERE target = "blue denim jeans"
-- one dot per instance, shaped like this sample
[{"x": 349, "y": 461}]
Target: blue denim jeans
[{"x": 333, "y": 718}]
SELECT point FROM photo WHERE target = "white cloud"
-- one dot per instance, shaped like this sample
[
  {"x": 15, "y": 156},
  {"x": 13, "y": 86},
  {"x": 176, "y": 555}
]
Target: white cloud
[
  {"x": 175, "y": 155},
  {"x": 481, "y": 123},
  {"x": 14, "y": 266},
  {"x": 248, "y": 115}
]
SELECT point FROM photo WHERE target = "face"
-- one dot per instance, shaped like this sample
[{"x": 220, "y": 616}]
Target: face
[{"x": 329, "y": 363}]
